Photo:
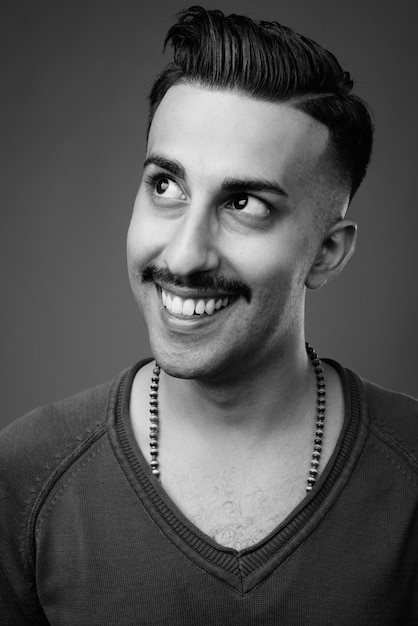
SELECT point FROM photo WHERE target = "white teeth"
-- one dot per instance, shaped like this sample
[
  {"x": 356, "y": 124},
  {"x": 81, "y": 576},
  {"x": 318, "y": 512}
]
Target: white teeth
[
  {"x": 200, "y": 307},
  {"x": 188, "y": 307},
  {"x": 210, "y": 306},
  {"x": 177, "y": 305}
]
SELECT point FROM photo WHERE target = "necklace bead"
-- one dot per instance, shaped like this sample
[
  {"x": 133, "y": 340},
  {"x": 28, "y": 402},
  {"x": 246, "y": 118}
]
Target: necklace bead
[{"x": 319, "y": 426}]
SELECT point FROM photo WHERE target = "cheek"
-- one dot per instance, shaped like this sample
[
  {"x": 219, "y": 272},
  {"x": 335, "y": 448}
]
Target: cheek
[{"x": 272, "y": 262}]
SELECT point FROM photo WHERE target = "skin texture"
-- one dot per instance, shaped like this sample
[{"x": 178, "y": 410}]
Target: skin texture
[{"x": 187, "y": 222}]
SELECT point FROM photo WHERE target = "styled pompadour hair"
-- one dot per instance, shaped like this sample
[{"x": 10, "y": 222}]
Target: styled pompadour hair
[{"x": 271, "y": 62}]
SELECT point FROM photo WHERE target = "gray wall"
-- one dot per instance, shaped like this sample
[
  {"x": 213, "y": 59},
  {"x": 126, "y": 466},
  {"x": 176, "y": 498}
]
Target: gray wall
[{"x": 73, "y": 115}]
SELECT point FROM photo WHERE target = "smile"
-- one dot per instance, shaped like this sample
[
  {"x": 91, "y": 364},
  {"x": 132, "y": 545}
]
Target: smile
[{"x": 192, "y": 306}]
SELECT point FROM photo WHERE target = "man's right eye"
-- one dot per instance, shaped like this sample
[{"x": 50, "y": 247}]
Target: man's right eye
[{"x": 167, "y": 188}]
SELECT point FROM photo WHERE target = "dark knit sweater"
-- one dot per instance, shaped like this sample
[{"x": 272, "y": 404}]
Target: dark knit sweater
[{"x": 89, "y": 537}]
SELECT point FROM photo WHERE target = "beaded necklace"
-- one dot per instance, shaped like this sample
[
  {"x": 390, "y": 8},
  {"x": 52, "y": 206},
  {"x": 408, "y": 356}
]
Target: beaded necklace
[{"x": 319, "y": 427}]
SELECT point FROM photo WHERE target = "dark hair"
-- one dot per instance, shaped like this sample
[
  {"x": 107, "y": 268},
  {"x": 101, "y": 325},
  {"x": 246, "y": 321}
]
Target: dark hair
[{"x": 271, "y": 62}]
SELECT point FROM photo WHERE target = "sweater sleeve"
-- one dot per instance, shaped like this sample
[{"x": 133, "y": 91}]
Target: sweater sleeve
[
  {"x": 18, "y": 599},
  {"x": 33, "y": 451}
]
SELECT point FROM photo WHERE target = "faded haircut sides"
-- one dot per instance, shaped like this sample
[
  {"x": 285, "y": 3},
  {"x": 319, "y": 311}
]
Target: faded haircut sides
[{"x": 271, "y": 62}]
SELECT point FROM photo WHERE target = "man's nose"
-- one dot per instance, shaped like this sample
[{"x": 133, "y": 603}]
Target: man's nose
[{"x": 192, "y": 245}]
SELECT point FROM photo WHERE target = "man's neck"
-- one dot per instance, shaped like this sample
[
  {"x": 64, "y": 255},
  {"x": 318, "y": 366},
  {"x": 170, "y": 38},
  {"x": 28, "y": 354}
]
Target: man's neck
[{"x": 256, "y": 404}]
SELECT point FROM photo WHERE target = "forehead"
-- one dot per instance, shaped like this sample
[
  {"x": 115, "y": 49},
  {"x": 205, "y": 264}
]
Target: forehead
[{"x": 219, "y": 133}]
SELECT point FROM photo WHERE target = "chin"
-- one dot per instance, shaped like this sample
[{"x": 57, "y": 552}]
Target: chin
[
  {"x": 178, "y": 369},
  {"x": 188, "y": 364}
]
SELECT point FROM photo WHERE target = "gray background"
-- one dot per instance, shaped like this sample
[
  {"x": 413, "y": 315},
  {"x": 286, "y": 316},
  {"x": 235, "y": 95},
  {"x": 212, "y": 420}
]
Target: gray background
[{"x": 74, "y": 80}]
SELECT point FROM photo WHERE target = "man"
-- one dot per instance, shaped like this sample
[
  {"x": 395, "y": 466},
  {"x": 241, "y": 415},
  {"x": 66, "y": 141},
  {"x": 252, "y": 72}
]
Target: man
[{"x": 236, "y": 478}]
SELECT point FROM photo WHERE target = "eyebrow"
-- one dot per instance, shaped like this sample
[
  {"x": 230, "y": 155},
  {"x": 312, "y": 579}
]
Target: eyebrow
[
  {"x": 231, "y": 185},
  {"x": 174, "y": 167},
  {"x": 253, "y": 184}
]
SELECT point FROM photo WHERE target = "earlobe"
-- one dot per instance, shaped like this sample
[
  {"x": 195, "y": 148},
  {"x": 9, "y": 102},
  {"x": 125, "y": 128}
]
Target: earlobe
[{"x": 336, "y": 248}]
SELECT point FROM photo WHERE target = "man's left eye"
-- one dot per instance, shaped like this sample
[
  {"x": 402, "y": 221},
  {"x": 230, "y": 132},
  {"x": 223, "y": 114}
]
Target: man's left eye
[
  {"x": 249, "y": 205},
  {"x": 167, "y": 188}
]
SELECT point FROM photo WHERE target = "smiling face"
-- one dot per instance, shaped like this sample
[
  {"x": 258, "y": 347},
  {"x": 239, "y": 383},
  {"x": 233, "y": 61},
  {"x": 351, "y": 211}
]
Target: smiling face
[{"x": 225, "y": 226}]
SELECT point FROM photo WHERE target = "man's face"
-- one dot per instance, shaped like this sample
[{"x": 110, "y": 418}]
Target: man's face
[{"x": 224, "y": 226}]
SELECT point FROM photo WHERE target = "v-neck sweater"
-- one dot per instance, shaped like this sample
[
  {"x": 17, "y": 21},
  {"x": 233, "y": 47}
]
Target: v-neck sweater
[{"x": 89, "y": 536}]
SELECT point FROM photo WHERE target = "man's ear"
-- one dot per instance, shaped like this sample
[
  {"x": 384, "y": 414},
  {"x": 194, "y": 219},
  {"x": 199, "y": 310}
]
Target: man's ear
[{"x": 337, "y": 247}]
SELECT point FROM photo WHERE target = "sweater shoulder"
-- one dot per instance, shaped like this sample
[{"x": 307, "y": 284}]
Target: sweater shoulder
[
  {"x": 52, "y": 423},
  {"x": 35, "y": 444},
  {"x": 394, "y": 418}
]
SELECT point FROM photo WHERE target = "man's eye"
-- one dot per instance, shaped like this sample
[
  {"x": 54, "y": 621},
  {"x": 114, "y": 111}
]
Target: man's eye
[
  {"x": 168, "y": 188},
  {"x": 249, "y": 205}
]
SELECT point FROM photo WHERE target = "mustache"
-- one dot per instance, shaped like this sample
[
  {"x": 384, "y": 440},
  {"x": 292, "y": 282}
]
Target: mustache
[{"x": 199, "y": 281}]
